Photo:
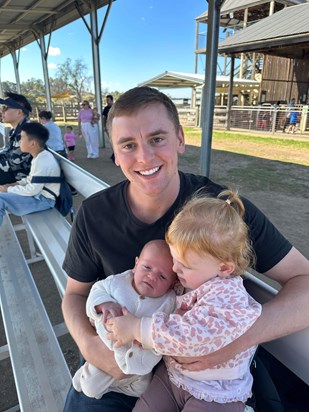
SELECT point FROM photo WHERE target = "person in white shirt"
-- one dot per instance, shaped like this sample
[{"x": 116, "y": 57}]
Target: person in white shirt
[
  {"x": 24, "y": 197},
  {"x": 145, "y": 289}
]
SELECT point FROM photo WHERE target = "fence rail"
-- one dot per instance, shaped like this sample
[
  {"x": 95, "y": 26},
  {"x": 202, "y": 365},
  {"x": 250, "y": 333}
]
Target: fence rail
[{"x": 262, "y": 118}]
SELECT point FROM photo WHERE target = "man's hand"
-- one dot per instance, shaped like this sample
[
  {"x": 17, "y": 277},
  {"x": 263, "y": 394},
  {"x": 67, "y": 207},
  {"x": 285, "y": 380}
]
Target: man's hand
[
  {"x": 109, "y": 310},
  {"x": 194, "y": 364},
  {"x": 123, "y": 329},
  {"x": 4, "y": 188}
]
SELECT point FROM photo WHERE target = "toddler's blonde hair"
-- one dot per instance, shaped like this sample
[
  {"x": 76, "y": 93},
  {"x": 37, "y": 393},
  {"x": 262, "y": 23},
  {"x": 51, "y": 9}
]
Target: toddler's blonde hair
[{"x": 213, "y": 226}]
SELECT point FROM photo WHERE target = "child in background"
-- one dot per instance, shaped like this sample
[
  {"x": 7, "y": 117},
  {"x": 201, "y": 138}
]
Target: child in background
[
  {"x": 293, "y": 121},
  {"x": 23, "y": 196},
  {"x": 143, "y": 290},
  {"x": 210, "y": 246},
  {"x": 70, "y": 141},
  {"x": 95, "y": 116}
]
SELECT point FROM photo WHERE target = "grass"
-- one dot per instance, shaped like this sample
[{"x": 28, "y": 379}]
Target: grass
[{"x": 291, "y": 150}]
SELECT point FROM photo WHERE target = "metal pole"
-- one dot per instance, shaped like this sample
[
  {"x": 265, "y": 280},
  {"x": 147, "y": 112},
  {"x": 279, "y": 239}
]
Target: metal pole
[
  {"x": 96, "y": 69},
  {"x": 16, "y": 64},
  {"x": 44, "y": 56},
  {"x": 209, "y": 88},
  {"x": 230, "y": 95}
]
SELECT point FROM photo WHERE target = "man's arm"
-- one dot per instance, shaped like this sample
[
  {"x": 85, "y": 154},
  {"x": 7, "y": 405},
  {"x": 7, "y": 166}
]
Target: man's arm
[
  {"x": 286, "y": 313},
  {"x": 89, "y": 343}
]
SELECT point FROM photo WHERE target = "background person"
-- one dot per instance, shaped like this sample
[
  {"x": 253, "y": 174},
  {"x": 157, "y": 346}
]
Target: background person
[
  {"x": 14, "y": 164},
  {"x": 55, "y": 141},
  {"x": 87, "y": 131},
  {"x": 289, "y": 109},
  {"x": 109, "y": 103},
  {"x": 70, "y": 141},
  {"x": 23, "y": 197},
  {"x": 145, "y": 289},
  {"x": 147, "y": 137},
  {"x": 210, "y": 246}
]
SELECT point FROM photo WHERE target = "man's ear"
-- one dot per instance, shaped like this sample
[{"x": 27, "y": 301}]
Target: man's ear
[
  {"x": 226, "y": 269},
  {"x": 181, "y": 140}
]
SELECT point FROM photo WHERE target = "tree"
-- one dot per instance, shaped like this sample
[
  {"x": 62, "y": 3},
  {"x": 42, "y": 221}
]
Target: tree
[
  {"x": 33, "y": 89},
  {"x": 75, "y": 76},
  {"x": 8, "y": 87},
  {"x": 58, "y": 86}
]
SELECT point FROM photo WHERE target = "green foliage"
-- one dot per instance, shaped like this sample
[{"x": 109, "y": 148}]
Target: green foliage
[{"x": 75, "y": 77}]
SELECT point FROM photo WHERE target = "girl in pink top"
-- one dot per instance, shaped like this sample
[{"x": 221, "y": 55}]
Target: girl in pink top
[
  {"x": 210, "y": 246},
  {"x": 70, "y": 141}
]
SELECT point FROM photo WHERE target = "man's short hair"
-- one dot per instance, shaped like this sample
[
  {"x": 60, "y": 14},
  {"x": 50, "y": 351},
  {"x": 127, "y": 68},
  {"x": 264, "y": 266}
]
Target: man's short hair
[
  {"x": 109, "y": 96},
  {"x": 17, "y": 101},
  {"x": 36, "y": 131},
  {"x": 44, "y": 114},
  {"x": 134, "y": 99}
]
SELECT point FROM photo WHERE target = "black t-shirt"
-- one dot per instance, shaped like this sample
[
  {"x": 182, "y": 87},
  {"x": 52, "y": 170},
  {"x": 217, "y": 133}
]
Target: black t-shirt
[
  {"x": 106, "y": 237},
  {"x": 106, "y": 110}
]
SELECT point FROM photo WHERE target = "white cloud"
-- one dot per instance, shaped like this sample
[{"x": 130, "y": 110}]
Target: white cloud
[
  {"x": 24, "y": 49},
  {"x": 54, "y": 51},
  {"x": 52, "y": 66}
]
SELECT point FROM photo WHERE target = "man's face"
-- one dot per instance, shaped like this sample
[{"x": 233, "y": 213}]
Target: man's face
[
  {"x": 11, "y": 115},
  {"x": 146, "y": 147},
  {"x": 109, "y": 101}
]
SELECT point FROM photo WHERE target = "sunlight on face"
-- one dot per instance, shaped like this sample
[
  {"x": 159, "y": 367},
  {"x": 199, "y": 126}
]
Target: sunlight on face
[{"x": 196, "y": 270}]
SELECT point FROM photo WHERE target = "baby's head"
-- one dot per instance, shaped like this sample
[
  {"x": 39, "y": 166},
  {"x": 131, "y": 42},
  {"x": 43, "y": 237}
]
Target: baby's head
[
  {"x": 153, "y": 270},
  {"x": 209, "y": 238},
  {"x": 69, "y": 129}
]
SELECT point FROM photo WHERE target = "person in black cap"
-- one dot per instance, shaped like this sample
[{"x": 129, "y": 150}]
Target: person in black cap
[{"x": 14, "y": 165}]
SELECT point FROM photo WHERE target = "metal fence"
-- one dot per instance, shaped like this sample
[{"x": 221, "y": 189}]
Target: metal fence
[{"x": 265, "y": 118}]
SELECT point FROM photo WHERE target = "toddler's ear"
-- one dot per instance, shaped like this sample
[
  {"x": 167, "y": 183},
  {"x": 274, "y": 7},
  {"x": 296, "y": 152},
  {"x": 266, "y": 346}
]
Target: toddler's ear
[{"x": 226, "y": 269}]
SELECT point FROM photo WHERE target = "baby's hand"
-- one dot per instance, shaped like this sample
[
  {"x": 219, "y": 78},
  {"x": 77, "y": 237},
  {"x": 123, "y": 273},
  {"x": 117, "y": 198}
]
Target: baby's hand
[
  {"x": 123, "y": 329},
  {"x": 109, "y": 310}
]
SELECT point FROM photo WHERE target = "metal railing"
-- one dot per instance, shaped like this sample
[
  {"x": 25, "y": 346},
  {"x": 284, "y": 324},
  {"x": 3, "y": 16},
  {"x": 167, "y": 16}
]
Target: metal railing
[{"x": 262, "y": 118}]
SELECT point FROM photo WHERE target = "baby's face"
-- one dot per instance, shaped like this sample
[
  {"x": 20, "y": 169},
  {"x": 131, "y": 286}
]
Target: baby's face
[{"x": 153, "y": 273}]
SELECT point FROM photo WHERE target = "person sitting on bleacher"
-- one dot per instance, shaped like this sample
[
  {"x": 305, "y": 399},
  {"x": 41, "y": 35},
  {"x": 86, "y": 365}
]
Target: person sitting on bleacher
[
  {"x": 24, "y": 197},
  {"x": 14, "y": 165}
]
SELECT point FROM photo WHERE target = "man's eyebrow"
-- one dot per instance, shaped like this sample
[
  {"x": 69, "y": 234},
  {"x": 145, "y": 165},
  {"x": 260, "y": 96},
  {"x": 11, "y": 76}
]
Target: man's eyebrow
[
  {"x": 157, "y": 132},
  {"x": 126, "y": 139}
]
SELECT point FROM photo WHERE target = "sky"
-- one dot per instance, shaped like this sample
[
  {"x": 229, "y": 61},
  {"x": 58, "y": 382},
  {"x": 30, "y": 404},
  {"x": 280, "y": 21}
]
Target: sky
[{"x": 141, "y": 39}]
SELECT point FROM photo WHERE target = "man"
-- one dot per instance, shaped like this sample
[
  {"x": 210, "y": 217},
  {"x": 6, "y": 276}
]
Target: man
[
  {"x": 14, "y": 165},
  {"x": 109, "y": 103},
  {"x": 147, "y": 138}
]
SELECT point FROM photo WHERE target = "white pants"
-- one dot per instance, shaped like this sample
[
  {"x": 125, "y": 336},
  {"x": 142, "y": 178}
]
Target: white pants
[{"x": 91, "y": 136}]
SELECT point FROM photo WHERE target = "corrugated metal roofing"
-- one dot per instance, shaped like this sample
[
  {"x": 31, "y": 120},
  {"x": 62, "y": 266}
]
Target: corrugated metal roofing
[
  {"x": 230, "y": 6},
  {"x": 170, "y": 79},
  {"x": 19, "y": 20},
  {"x": 288, "y": 27}
]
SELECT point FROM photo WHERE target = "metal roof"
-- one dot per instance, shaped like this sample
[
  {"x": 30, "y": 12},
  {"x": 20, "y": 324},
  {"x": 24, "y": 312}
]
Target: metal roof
[
  {"x": 232, "y": 11},
  {"x": 285, "y": 33},
  {"x": 172, "y": 80},
  {"x": 23, "y": 21}
]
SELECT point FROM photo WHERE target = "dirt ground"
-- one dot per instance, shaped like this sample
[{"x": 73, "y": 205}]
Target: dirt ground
[{"x": 280, "y": 189}]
